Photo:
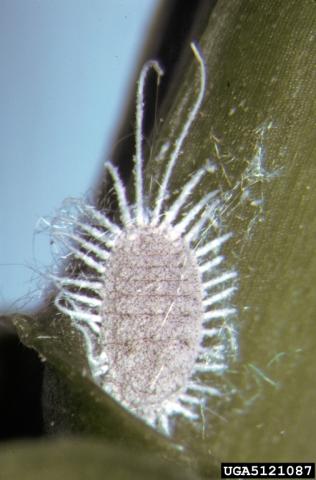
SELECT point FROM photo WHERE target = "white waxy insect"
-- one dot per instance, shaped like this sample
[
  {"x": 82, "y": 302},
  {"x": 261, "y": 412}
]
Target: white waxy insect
[{"x": 151, "y": 297}]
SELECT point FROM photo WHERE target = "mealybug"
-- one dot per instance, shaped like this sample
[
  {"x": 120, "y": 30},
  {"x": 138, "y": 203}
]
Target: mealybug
[{"x": 151, "y": 296}]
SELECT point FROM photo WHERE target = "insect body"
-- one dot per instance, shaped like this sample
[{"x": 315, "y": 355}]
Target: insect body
[{"x": 146, "y": 298}]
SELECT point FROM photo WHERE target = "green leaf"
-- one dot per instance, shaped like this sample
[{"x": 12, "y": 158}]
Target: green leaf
[
  {"x": 257, "y": 126},
  {"x": 80, "y": 459}
]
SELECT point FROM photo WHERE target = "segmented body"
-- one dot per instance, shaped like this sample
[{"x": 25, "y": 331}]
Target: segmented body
[{"x": 151, "y": 300}]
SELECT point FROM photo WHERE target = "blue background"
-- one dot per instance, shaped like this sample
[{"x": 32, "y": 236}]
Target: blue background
[{"x": 66, "y": 68}]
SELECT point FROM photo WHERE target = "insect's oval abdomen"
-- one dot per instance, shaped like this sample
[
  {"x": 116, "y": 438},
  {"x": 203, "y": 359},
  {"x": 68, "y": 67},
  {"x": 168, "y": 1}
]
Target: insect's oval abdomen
[{"x": 152, "y": 317}]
